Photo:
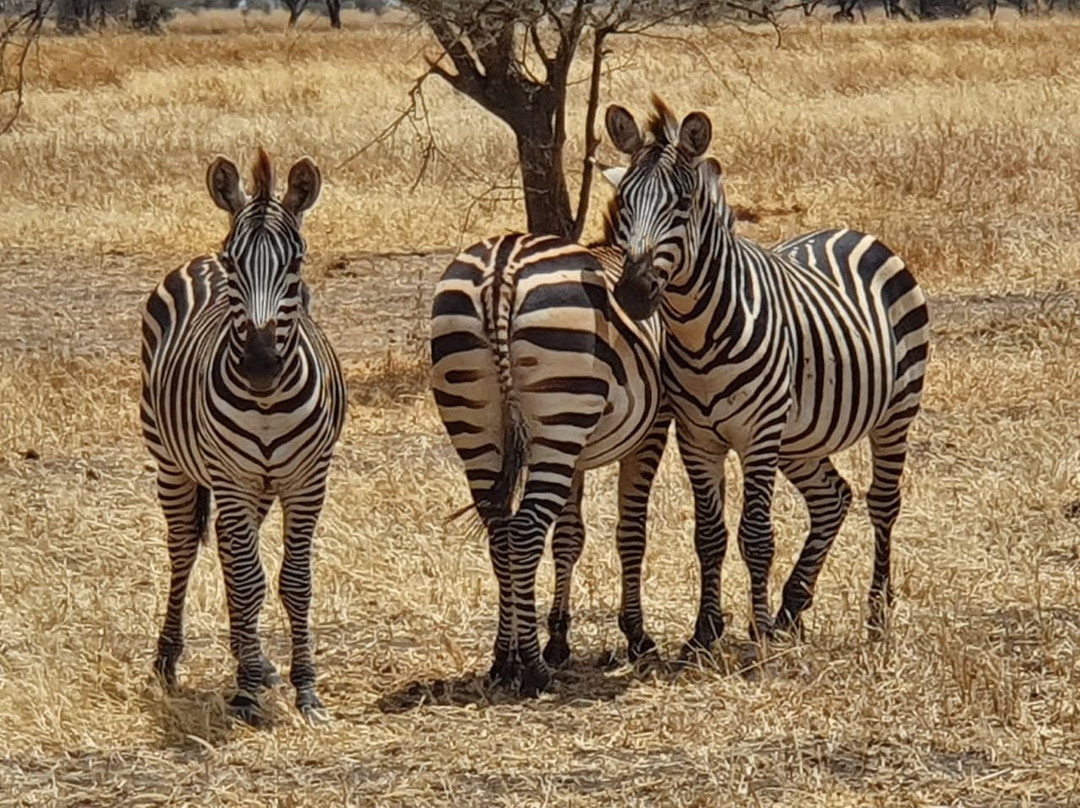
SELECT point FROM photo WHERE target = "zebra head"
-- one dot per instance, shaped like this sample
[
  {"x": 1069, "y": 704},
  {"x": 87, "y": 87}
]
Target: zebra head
[
  {"x": 262, "y": 257},
  {"x": 660, "y": 201}
]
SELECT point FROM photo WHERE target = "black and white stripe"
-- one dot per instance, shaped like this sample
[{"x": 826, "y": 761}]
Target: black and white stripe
[
  {"x": 243, "y": 398},
  {"x": 538, "y": 376},
  {"x": 787, "y": 356}
]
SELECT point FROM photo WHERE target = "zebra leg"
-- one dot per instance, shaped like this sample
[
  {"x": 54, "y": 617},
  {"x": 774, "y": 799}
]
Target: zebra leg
[
  {"x": 301, "y": 511},
  {"x": 186, "y": 506},
  {"x": 566, "y": 546},
  {"x": 636, "y": 473},
  {"x": 504, "y": 667},
  {"x": 706, "y": 472},
  {"x": 889, "y": 448},
  {"x": 482, "y": 470},
  {"x": 756, "y": 542},
  {"x": 543, "y": 499},
  {"x": 239, "y": 516},
  {"x": 828, "y": 497}
]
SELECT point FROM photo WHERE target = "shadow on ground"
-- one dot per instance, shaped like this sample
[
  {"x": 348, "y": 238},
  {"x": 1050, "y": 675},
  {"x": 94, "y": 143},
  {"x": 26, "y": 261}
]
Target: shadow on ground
[
  {"x": 197, "y": 720},
  {"x": 595, "y": 679}
]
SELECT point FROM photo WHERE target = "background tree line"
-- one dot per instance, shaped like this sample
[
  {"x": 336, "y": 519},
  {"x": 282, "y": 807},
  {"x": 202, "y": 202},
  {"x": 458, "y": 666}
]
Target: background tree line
[{"x": 73, "y": 16}]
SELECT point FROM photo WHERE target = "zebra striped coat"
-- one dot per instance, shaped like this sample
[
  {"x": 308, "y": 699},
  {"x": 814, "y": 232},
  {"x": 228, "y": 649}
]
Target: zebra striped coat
[
  {"x": 538, "y": 376},
  {"x": 785, "y": 355},
  {"x": 243, "y": 397}
]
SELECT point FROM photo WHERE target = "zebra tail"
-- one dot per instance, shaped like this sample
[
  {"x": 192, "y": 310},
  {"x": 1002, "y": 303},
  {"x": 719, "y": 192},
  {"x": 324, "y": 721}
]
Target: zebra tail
[
  {"x": 498, "y": 501},
  {"x": 515, "y": 449},
  {"x": 515, "y": 442},
  {"x": 202, "y": 513}
]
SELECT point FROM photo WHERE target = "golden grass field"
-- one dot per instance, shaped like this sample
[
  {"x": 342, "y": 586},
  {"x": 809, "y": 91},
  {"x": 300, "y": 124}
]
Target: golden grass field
[{"x": 955, "y": 142}]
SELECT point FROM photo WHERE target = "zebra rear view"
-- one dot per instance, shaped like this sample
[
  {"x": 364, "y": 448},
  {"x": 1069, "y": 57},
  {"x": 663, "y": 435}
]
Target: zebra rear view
[
  {"x": 539, "y": 376},
  {"x": 243, "y": 398}
]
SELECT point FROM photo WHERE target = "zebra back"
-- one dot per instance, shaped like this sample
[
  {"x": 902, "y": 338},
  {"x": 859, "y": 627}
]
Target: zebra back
[{"x": 528, "y": 350}]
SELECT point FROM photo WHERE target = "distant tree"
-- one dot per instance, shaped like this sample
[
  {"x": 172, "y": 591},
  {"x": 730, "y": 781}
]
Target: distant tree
[
  {"x": 149, "y": 15},
  {"x": 18, "y": 34},
  {"x": 296, "y": 8},
  {"x": 513, "y": 58}
]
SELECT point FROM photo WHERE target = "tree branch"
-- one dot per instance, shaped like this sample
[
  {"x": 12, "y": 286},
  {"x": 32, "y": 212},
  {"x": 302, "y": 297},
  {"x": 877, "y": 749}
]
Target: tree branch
[
  {"x": 453, "y": 45},
  {"x": 27, "y": 28},
  {"x": 591, "y": 139}
]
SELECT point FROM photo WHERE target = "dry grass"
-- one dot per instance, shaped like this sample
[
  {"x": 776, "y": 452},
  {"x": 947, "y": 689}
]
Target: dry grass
[{"x": 955, "y": 142}]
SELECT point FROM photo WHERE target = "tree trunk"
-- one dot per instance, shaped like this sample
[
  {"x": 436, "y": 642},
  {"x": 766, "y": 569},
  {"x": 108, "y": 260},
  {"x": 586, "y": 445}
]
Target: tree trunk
[
  {"x": 540, "y": 153},
  {"x": 295, "y": 10},
  {"x": 69, "y": 16},
  {"x": 333, "y": 8}
]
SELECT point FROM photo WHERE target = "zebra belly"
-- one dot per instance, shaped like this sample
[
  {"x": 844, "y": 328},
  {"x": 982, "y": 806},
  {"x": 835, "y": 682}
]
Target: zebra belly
[
  {"x": 718, "y": 412},
  {"x": 842, "y": 383}
]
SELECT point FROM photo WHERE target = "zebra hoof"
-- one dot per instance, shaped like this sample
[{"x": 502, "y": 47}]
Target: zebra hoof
[
  {"x": 312, "y": 709},
  {"x": 270, "y": 676},
  {"x": 534, "y": 681},
  {"x": 503, "y": 671},
  {"x": 245, "y": 707},
  {"x": 877, "y": 625},
  {"x": 695, "y": 654},
  {"x": 788, "y": 625},
  {"x": 165, "y": 671},
  {"x": 557, "y": 652},
  {"x": 641, "y": 649}
]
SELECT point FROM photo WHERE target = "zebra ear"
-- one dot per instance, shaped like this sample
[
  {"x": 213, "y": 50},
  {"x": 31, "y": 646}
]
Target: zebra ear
[
  {"x": 614, "y": 174},
  {"x": 305, "y": 181},
  {"x": 695, "y": 133},
  {"x": 223, "y": 182},
  {"x": 623, "y": 129}
]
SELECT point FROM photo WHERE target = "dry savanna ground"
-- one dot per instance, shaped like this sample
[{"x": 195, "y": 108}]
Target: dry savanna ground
[{"x": 956, "y": 142}]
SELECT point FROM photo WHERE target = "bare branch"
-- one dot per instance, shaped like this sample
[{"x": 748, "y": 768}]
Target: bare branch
[
  {"x": 591, "y": 139},
  {"x": 454, "y": 46},
  {"x": 20, "y": 34},
  {"x": 416, "y": 115},
  {"x": 538, "y": 46}
]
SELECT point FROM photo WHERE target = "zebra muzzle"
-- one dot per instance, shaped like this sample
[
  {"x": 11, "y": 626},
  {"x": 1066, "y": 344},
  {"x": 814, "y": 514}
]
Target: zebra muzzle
[
  {"x": 640, "y": 288},
  {"x": 262, "y": 363}
]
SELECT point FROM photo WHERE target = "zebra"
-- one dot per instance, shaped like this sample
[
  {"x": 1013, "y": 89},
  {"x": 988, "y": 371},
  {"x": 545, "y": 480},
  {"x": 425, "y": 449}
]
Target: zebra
[
  {"x": 243, "y": 399},
  {"x": 538, "y": 375},
  {"x": 786, "y": 356}
]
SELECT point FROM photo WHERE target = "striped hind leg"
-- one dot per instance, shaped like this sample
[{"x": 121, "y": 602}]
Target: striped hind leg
[
  {"x": 636, "y": 473},
  {"x": 186, "y": 506},
  {"x": 301, "y": 511},
  {"x": 889, "y": 448},
  {"x": 481, "y": 476},
  {"x": 828, "y": 497},
  {"x": 567, "y": 542},
  {"x": 549, "y": 483},
  {"x": 240, "y": 514}
]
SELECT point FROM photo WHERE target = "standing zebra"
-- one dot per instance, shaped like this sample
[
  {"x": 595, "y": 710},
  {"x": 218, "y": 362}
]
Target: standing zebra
[
  {"x": 243, "y": 398},
  {"x": 787, "y": 356},
  {"x": 538, "y": 376}
]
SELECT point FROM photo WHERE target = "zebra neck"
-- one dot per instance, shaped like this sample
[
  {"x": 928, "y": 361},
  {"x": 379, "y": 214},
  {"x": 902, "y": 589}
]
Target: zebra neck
[
  {"x": 226, "y": 380},
  {"x": 718, "y": 296}
]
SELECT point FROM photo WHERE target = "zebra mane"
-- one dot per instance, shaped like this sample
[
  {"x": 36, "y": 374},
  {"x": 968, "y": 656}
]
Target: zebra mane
[
  {"x": 662, "y": 123},
  {"x": 263, "y": 175}
]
